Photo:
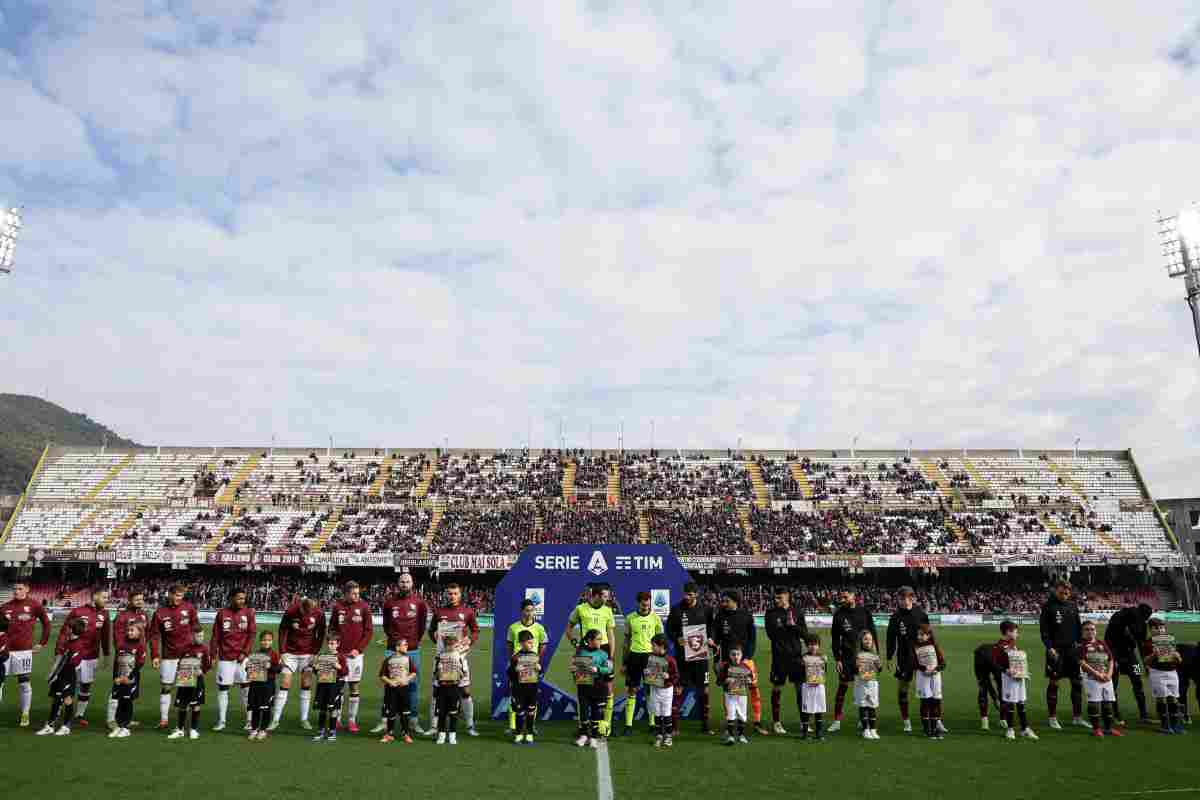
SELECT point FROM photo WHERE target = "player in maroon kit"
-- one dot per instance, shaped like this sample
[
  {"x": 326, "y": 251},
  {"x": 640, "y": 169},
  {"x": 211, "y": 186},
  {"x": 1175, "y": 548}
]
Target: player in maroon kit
[
  {"x": 95, "y": 638},
  {"x": 301, "y": 634},
  {"x": 459, "y": 620},
  {"x": 232, "y": 639},
  {"x": 3, "y": 652},
  {"x": 133, "y": 616},
  {"x": 21, "y": 613},
  {"x": 171, "y": 631},
  {"x": 405, "y": 616},
  {"x": 351, "y": 621}
]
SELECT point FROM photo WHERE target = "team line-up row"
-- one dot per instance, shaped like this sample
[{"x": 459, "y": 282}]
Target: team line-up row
[{"x": 331, "y": 661}]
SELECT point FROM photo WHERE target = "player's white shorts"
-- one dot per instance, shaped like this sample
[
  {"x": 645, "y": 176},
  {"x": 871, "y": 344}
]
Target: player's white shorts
[
  {"x": 355, "y": 665},
  {"x": 1012, "y": 690},
  {"x": 231, "y": 672},
  {"x": 296, "y": 663},
  {"x": 866, "y": 693},
  {"x": 86, "y": 671},
  {"x": 166, "y": 671},
  {"x": 20, "y": 662},
  {"x": 812, "y": 699},
  {"x": 1164, "y": 683},
  {"x": 1098, "y": 692},
  {"x": 929, "y": 686},
  {"x": 735, "y": 707},
  {"x": 661, "y": 699}
]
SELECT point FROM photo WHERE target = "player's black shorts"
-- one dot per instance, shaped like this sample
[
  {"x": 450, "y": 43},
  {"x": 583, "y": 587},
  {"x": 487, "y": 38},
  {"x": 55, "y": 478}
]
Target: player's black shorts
[
  {"x": 524, "y": 695},
  {"x": 635, "y": 667},
  {"x": 64, "y": 685},
  {"x": 329, "y": 695},
  {"x": 261, "y": 695},
  {"x": 395, "y": 701},
  {"x": 785, "y": 669},
  {"x": 1065, "y": 666},
  {"x": 694, "y": 674},
  {"x": 190, "y": 696}
]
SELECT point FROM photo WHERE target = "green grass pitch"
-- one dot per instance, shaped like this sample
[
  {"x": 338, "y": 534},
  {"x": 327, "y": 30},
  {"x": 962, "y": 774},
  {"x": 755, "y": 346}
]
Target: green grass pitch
[{"x": 147, "y": 765}]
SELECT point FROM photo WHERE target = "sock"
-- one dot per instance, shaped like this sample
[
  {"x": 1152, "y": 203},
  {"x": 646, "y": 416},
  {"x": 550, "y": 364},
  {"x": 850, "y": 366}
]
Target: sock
[
  {"x": 513, "y": 724},
  {"x": 24, "y": 696},
  {"x": 353, "y": 710},
  {"x": 164, "y": 706},
  {"x": 608, "y": 713},
  {"x": 246, "y": 702},
  {"x": 453, "y": 723},
  {"x": 1107, "y": 709},
  {"x": 902, "y": 700},
  {"x": 873, "y": 718},
  {"x": 1163, "y": 718},
  {"x": 839, "y": 700},
  {"x": 530, "y": 719},
  {"x": 1022, "y": 716},
  {"x": 305, "y": 703},
  {"x": 181, "y": 719},
  {"x": 468, "y": 712},
  {"x": 85, "y": 696},
  {"x": 55, "y": 707},
  {"x": 1052, "y": 698},
  {"x": 322, "y": 720},
  {"x": 112, "y": 709},
  {"x": 630, "y": 709},
  {"x": 390, "y": 722},
  {"x": 804, "y": 722},
  {"x": 983, "y": 703},
  {"x": 730, "y": 728},
  {"x": 222, "y": 705},
  {"x": 196, "y": 718},
  {"x": 1076, "y": 698},
  {"x": 676, "y": 710},
  {"x": 1006, "y": 713},
  {"x": 755, "y": 705},
  {"x": 277, "y": 707},
  {"x": 1172, "y": 712},
  {"x": 819, "y": 724},
  {"x": 1139, "y": 694},
  {"x": 776, "y": 696},
  {"x": 703, "y": 691},
  {"x": 1094, "y": 715},
  {"x": 937, "y": 709},
  {"x": 404, "y": 729}
]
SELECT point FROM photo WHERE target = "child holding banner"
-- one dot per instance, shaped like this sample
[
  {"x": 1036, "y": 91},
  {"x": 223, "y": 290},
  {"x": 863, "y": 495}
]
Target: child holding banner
[
  {"x": 661, "y": 675},
  {"x": 738, "y": 676},
  {"x": 449, "y": 671},
  {"x": 866, "y": 685},
  {"x": 1013, "y": 664},
  {"x": 194, "y": 662},
  {"x": 812, "y": 693},
  {"x": 930, "y": 661},
  {"x": 593, "y": 671},
  {"x": 1163, "y": 659},
  {"x": 524, "y": 676}
]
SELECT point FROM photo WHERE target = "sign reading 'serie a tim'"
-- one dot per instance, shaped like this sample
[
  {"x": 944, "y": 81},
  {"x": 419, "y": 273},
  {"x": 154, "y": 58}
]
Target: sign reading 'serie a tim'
[{"x": 597, "y": 564}]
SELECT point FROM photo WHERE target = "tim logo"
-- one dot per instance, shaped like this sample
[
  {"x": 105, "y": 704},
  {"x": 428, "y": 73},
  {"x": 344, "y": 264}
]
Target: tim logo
[
  {"x": 639, "y": 562},
  {"x": 596, "y": 564}
]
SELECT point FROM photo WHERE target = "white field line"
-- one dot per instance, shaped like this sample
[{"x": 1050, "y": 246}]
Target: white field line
[{"x": 604, "y": 790}]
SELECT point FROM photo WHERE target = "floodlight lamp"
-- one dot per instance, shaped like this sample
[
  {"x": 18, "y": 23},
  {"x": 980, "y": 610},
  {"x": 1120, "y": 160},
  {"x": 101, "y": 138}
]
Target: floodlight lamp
[
  {"x": 1189, "y": 235},
  {"x": 10, "y": 228}
]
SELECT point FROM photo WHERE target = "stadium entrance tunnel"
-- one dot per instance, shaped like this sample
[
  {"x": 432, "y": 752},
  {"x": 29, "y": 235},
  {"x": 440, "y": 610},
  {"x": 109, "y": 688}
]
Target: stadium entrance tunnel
[{"x": 554, "y": 577}]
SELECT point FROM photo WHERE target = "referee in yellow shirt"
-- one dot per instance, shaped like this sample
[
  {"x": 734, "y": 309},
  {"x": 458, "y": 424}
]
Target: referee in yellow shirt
[{"x": 640, "y": 627}]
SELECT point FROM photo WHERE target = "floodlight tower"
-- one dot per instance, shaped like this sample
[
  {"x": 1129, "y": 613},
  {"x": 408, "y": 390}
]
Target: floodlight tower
[
  {"x": 10, "y": 229},
  {"x": 1180, "y": 237}
]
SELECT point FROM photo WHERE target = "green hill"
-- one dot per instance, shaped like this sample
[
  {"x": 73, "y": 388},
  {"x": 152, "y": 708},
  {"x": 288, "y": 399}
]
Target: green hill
[{"x": 27, "y": 423}]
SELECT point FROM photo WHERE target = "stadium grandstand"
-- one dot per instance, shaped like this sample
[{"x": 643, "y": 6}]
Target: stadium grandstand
[{"x": 477, "y": 509}]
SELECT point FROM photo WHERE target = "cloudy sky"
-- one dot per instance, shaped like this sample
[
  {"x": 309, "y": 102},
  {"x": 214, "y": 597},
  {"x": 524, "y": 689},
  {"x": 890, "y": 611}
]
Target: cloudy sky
[{"x": 894, "y": 220}]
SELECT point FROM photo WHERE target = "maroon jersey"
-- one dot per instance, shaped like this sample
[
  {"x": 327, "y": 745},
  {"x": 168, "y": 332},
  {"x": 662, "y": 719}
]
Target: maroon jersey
[
  {"x": 452, "y": 614},
  {"x": 232, "y": 634},
  {"x": 21, "y": 615},
  {"x": 1095, "y": 654},
  {"x": 405, "y": 618},
  {"x": 138, "y": 653},
  {"x": 1000, "y": 653},
  {"x": 171, "y": 627},
  {"x": 300, "y": 633},
  {"x": 120, "y": 628},
  {"x": 353, "y": 625},
  {"x": 95, "y": 636}
]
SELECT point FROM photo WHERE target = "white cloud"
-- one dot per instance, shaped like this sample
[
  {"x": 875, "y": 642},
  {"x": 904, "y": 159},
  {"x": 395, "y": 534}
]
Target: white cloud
[{"x": 795, "y": 227}]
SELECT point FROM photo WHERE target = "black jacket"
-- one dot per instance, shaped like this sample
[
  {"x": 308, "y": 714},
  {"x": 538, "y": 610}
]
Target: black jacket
[
  {"x": 1060, "y": 625},
  {"x": 902, "y": 633},
  {"x": 786, "y": 628},
  {"x": 848, "y": 625},
  {"x": 1125, "y": 632},
  {"x": 735, "y": 626}
]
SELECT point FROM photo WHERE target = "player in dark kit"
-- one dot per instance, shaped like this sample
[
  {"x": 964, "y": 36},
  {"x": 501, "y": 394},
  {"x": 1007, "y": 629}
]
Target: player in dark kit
[
  {"x": 690, "y": 620},
  {"x": 127, "y": 679},
  {"x": 63, "y": 679},
  {"x": 901, "y": 638},
  {"x": 194, "y": 663},
  {"x": 849, "y": 621},
  {"x": 260, "y": 669},
  {"x": 987, "y": 679},
  {"x": 1062, "y": 629},
  {"x": 1124, "y": 634},
  {"x": 331, "y": 669},
  {"x": 786, "y": 628}
]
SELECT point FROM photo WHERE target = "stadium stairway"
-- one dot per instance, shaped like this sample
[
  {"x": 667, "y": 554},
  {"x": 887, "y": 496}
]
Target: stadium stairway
[
  {"x": 1058, "y": 531},
  {"x": 744, "y": 515},
  {"x": 539, "y": 523},
  {"x": 852, "y": 526},
  {"x": 228, "y": 494},
  {"x": 435, "y": 521},
  {"x": 121, "y": 529},
  {"x": 977, "y": 478},
  {"x": 1065, "y": 474},
  {"x": 328, "y": 528},
  {"x": 614, "y": 485},
  {"x": 933, "y": 474},
  {"x": 956, "y": 529},
  {"x": 802, "y": 478},
  {"x": 79, "y": 528},
  {"x": 222, "y": 531},
  {"x": 381, "y": 476},
  {"x": 643, "y": 527},
  {"x": 427, "y": 473},
  {"x": 568, "y": 481},
  {"x": 762, "y": 496},
  {"x": 107, "y": 479}
]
